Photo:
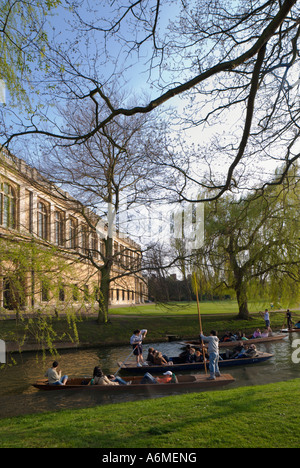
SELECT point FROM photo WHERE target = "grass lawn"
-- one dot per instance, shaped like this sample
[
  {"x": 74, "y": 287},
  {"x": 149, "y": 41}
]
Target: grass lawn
[
  {"x": 248, "y": 417},
  {"x": 190, "y": 308},
  {"x": 187, "y": 308}
]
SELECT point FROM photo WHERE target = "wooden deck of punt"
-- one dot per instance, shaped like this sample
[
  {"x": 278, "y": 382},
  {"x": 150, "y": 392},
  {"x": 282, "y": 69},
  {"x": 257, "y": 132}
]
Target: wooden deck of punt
[
  {"x": 291, "y": 330},
  {"x": 190, "y": 383},
  {"x": 179, "y": 366},
  {"x": 231, "y": 344}
]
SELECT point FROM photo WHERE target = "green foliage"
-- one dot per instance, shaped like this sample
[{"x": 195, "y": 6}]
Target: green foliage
[
  {"x": 23, "y": 42},
  {"x": 252, "y": 245}
]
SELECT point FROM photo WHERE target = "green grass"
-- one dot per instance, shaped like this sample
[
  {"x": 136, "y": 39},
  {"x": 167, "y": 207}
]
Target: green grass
[
  {"x": 190, "y": 308},
  {"x": 248, "y": 417},
  {"x": 185, "y": 308}
]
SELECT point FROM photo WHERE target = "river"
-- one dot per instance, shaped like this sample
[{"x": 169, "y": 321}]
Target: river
[{"x": 18, "y": 396}]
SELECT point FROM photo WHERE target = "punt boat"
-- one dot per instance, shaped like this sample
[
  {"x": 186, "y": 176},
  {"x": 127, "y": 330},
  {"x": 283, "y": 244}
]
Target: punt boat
[
  {"x": 185, "y": 383},
  {"x": 179, "y": 366},
  {"x": 231, "y": 344}
]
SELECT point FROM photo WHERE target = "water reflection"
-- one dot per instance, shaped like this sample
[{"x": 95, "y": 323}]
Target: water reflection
[{"x": 17, "y": 396}]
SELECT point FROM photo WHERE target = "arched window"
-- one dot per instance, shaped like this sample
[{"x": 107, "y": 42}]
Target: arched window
[
  {"x": 7, "y": 206},
  {"x": 43, "y": 220}
]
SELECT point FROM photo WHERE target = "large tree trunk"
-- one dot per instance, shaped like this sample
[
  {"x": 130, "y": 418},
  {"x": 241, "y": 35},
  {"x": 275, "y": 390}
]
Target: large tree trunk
[
  {"x": 241, "y": 295},
  {"x": 105, "y": 282},
  {"x": 103, "y": 299}
]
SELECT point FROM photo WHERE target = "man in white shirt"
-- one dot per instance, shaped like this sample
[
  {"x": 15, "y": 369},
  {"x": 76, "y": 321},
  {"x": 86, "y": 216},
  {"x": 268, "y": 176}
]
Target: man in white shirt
[
  {"x": 266, "y": 317},
  {"x": 54, "y": 375},
  {"x": 136, "y": 342},
  {"x": 213, "y": 351}
]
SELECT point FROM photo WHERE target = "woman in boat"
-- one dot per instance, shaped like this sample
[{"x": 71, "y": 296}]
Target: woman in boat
[
  {"x": 159, "y": 360},
  {"x": 257, "y": 333},
  {"x": 99, "y": 378},
  {"x": 150, "y": 357}
]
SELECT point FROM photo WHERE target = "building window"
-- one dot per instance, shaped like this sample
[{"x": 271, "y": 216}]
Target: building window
[
  {"x": 45, "y": 292},
  {"x": 42, "y": 218},
  {"x": 59, "y": 227},
  {"x": 7, "y": 206},
  {"x": 94, "y": 245},
  {"x": 61, "y": 293},
  {"x": 72, "y": 233},
  {"x": 75, "y": 292},
  {"x": 85, "y": 240},
  {"x": 86, "y": 293}
]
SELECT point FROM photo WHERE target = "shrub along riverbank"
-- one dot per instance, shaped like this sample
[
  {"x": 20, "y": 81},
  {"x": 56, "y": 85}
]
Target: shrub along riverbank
[{"x": 248, "y": 417}]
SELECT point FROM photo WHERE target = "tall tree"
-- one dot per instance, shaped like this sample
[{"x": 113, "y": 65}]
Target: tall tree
[
  {"x": 107, "y": 175},
  {"x": 234, "y": 64}
]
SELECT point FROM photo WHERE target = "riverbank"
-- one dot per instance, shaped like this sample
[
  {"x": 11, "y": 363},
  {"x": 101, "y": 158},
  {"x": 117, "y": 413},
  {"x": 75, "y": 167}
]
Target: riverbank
[
  {"x": 248, "y": 417},
  {"x": 32, "y": 334}
]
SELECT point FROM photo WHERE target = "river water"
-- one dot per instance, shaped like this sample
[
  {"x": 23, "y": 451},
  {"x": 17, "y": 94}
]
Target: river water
[{"x": 18, "y": 396}]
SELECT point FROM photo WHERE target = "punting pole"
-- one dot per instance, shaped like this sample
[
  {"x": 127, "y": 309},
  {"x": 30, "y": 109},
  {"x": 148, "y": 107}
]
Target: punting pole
[
  {"x": 200, "y": 321},
  {"x": 122, "y": 363}
]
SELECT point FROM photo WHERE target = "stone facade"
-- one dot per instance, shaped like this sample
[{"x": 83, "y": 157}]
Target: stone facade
[{"x": 34, "y": 210}]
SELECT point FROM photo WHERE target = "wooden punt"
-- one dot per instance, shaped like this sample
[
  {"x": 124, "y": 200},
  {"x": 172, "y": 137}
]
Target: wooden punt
[
  {"x": 290, "y": 330},
  {"x": 185, "y": 383},
  {"x": 179, "y": 366},
  {"x": 231, "y": 344}
]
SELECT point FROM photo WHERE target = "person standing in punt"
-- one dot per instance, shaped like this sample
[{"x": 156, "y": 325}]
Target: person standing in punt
[
  {"x": 136, "y": 341},
  {"x": 213, "y": 351}
]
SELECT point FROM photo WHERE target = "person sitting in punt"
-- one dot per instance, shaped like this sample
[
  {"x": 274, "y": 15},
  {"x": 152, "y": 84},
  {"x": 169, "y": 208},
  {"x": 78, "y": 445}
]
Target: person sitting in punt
[
  {"x": 167, "y": 377},
  {"x": 159, "y": 360},
  {"x": 265, "y": 334},
  {"x": 247, "y": 352},
  {"x": 150, "y": 357},
  {"x": 257, "y": 333},
  {"x": 54, "y": 375},
  {"x": 99, "y": 378},
  {"x": 243, "y": 337},
  {"x": 251, "y": 351},
  {"x": 236, "y": 351},
  {"x": 190, "y": 357}
]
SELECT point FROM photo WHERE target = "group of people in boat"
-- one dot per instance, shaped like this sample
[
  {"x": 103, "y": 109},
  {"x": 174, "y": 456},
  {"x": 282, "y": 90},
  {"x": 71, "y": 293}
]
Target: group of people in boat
[
  {"x": 241, "y": 336},
  {"x": 240, "y": 351},
  {"x": 54, "y": 377}
]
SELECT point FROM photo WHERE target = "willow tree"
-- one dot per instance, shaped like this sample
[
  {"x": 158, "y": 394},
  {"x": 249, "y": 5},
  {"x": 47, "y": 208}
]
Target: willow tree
[
  {"x": 23, "y": 42},
  {"x": 253, "y": 244}
]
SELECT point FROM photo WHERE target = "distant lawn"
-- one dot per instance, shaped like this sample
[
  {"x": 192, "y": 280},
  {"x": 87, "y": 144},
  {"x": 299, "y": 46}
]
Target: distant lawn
[{"x": 188, "y": 308}]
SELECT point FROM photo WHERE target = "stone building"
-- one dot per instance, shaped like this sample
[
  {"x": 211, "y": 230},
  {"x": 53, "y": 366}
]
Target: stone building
[{"x": 34, "y": 212}]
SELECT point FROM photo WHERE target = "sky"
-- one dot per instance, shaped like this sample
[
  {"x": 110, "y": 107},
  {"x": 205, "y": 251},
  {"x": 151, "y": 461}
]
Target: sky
[{"x": 134, "y": 80}]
